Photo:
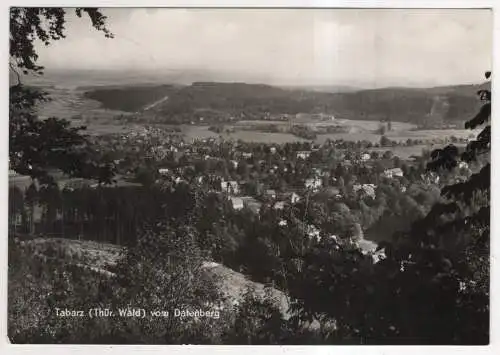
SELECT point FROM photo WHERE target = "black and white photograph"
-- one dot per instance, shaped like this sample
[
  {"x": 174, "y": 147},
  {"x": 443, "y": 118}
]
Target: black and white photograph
[{"x": 249, "y": 176}]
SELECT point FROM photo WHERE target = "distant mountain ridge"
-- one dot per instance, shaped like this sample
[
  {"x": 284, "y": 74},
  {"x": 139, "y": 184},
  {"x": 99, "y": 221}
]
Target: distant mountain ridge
[
  {"x": 323, "y": 88},
  {"x": 130, "y": 98},
  {"x": 216, "y": 99}
]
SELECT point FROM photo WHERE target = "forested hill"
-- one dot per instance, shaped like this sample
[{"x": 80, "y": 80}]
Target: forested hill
[
  {"x": 447, "y": 103},
  {"x": 241, "y": 100},
  {"x": 129, "y": 98}
]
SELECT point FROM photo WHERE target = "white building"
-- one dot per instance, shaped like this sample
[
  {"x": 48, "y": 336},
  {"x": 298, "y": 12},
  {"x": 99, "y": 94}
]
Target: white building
[
  {"x": 282, "y": 223},
  {"x": 313, "y": 232},
  {"x": 271, "y": 194},
  {"x": 294, "y": 198},
  {"x": 365, "y": 156},
  {"x": 370, "y": 248},
  {"x": 237, "y": 203},
  {"x": 251, "y": 203},
  {"x": 390, "y": 173},
  {"x": 304, "y": 154},
  {"x": 230, "y": 187},
  {"x": 313, "y": 184},
  {"x": 280, "y": 205},
  {"x": 234, "y": 163}
]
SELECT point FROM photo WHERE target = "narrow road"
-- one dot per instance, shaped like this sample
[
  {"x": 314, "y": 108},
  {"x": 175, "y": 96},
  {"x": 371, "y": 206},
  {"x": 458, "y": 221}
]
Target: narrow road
[{"x": 156, "y": 103}]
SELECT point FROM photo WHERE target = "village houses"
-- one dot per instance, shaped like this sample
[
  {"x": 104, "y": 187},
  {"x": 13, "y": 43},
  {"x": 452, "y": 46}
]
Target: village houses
[
  {"x": 271, "y": 194},
  {"x": 303, "y": 154},
  {"x": 237, "y": 203},
  {"x": 313, "y": 183},
  {"x": 230, "y": 187},
  {"x": 390, "y": 173}
]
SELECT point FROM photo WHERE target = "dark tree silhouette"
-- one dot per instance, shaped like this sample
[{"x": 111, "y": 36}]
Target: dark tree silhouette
[
  {"x": 450, "y": 245},
  {"x": 46, "y": 24},
  {"x": 38, "y": 145},
  {"x": 432, "y": 286}
]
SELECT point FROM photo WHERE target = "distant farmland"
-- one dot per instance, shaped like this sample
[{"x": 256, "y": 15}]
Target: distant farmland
[
  {"x": 357, "y": 131},
  {"x": 202, "y": 132},
  {"x": 73, "y": 104}
]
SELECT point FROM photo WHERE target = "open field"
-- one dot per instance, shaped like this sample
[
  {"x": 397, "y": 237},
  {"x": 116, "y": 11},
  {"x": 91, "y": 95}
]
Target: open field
[
  {"x": 202, "y": 132},
  {"x": 354, "y": 125},
  {"x": 70, "y": 104},
  {"x": 357, "y": 130},
  {"x": 362, "y": 125},
  {"x": 399, "y": 136},
  {"x": 96, "y": 128},
  {"x": 406, "y": 152}
]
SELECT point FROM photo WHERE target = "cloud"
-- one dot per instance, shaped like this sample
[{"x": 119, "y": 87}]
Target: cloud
[{"x": 369, "y": 47}]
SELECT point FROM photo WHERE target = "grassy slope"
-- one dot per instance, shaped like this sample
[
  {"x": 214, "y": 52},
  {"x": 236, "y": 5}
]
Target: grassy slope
[{"x": 103, "y": 258}]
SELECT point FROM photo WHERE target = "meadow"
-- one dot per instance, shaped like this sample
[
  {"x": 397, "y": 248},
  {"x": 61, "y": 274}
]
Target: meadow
[
  {"x": 69, "y": 103},
  {"x": 357, "y": 130},
  {"x": 202, "y": 132}
]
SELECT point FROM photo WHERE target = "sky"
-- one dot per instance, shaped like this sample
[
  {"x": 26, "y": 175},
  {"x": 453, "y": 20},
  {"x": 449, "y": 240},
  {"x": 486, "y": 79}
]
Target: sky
[{"x": 356, "y": 47}]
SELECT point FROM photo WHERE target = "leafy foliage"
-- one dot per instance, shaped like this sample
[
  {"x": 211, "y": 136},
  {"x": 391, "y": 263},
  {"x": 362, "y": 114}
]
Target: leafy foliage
[
  {"x": 257, "y": 322},
  {"x": 161, "y": 273},
  {"x": 45, "y": 24},
  {"x": 35, "y": 145},
  {"x": 432, "y": 285}
]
